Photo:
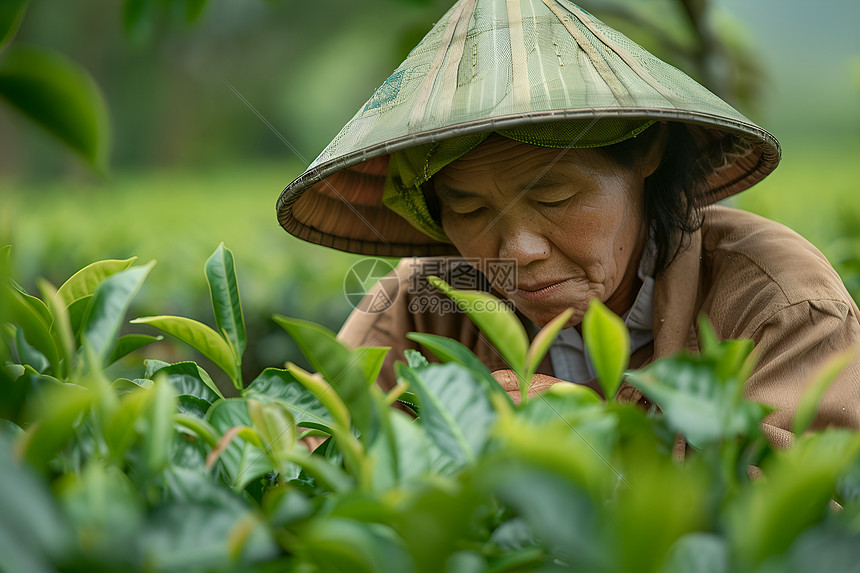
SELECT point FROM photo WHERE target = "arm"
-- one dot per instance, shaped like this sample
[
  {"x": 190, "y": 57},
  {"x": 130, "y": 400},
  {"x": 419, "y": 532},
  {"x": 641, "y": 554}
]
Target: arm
[{"x": 792, "y": 346}]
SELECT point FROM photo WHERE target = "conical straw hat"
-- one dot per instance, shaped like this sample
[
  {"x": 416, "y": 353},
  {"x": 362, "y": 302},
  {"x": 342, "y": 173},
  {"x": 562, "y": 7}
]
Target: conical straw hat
[{"x": 499, "y": 64}]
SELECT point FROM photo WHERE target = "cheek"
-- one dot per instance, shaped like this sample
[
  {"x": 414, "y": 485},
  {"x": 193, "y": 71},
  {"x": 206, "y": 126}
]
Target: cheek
[{"x": 463, "y": 235}]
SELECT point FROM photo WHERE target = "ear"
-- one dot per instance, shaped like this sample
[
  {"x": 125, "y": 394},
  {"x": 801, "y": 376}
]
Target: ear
[{"x": 650, "y": 152}]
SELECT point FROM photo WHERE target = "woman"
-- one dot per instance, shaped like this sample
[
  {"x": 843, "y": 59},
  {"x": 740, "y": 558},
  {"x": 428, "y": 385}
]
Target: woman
[{"x": 566, "y": 163}]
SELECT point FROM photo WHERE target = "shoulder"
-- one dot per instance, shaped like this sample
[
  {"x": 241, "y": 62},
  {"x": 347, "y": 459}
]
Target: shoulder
[
  {"x": 753, "y": 269},
  {"x": 744, "y": 245}
]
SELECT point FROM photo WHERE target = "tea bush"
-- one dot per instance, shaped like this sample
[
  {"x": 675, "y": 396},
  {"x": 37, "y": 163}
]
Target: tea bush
[{"x": 162, "y": 473}]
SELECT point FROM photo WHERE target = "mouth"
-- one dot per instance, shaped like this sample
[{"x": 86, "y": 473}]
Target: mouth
[{"x": 537, "y": 291}]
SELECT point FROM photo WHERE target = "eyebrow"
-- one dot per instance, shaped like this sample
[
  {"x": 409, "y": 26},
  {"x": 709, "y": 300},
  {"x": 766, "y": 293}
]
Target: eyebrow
[
  {"x": 451, "y": 193},
  {"x": 545, "y": 181}
]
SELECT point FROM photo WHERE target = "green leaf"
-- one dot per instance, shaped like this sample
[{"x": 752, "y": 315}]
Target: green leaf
[
  {"x": 11, "y": 15},
  {"x": 137, "y": 19},
  {"x": 561, "y": 515},
  {"x": 32, "y": 325},
  {"x": 406, "y": 456},
  {"x": 370, "y": 360},
  {"x": 194, "y": 421},
  {"x": 340, "y": 544},
  {"x": 449, "y": 350},
  {"x": 807, "y": 406},
  {"x": 201, "y": 337},
  {"x": 60, "y": 96},
  {"x": 455, "y": 409},
  {"x": 542, "y": 342},
  {"x": 106, "y": 312},
  {"x": 795, "y": 494},
  {"x": 186, "y": 377},
  {"x": 159, "y": 418},
  {"x": 700, "y": 552},
  {"x": 277, "y": 428},
  {"x": 77, "y": 314},
  {"x": 696, "y": 401},
  {"x": 194, "y": 9},
  {"x": 197, "y": 534},
  {"x": 347, "y": 371},
  {"x": 224, "y": 290},
  {"x": 243, "y": 462},
  {"x": 60, "y": 411},
  {"x": 128, "y": 343},
  {"x": 38, "y": 306},
  {"x": 415, "y": 359},
  {"x": 121, "y": 428},
  {"x": 123, "y": 385},
  {"x": 608, "y": 345},
  {"x": 32, "y": 528},
  {"x": 84, "y": 283},
  {"x": 324, "y": 393},
  {"x": 105, "y": 509},
  {"x": 61, "y": 328},
  {"x": 279, "y": 385},
  {"x": 495, "y": 319},
  {"x": 192, "y": 406},
  {"x": 27, "y": 354}
]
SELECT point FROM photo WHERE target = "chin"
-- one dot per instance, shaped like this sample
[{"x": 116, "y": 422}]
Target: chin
[{"x": 542, "y": 317}]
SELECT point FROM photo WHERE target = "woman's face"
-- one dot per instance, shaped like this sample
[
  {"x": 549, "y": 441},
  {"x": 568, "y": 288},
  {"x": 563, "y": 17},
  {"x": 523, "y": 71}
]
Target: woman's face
[{"x": 571, "y": 220}]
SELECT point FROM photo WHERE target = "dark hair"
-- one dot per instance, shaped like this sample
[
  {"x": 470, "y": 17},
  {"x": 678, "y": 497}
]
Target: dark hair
[{"x": 672, "y": 194}]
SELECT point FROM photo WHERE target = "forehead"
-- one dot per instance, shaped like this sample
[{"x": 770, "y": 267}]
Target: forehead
[{"x": 503, "y": 161}]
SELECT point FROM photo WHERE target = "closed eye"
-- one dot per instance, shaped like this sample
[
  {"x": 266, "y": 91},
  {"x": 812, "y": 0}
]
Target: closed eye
[
  {"x": 560, "y": 203},
  {"x": 472, "y": 213}
]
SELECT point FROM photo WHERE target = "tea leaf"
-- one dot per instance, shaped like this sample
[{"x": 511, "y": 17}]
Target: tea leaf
[
  {"x": 273, "y": 385},
  {"x": 350, "y": 373},
  {"x": 455, "y": 409},
  {"x": 608, "y": 345},
  {"x": 700, "y": 552},
  {"x": 11, "y": 15},
  {"x": 795, "y": 494},
  {"x": 60, "y": 96},
  {"x": 61, "y": 328},
  {"x": 107, "y": 310},
  {"x": 696, "y": 401},
  {"x": 198, "y": 336},
  {"x": 186, "y": 378},
  {"x": 122, "y": 427},
  {"x": 371, "y": 360},
  {"x": 128, "y": 343},
  {"x": 32, "y": 326},
  {"x": 243, "y": 461},
  {"x": 495, "y": 319},
  {"x": 542, "y": 342},
  {"x": 449, "y": 350},
  {"x": 323, "y": 392},
  {"x": 224, "y": 290},
  {"x": 33, "y": 528},
  {"x": 415, "y": 359},
  {"x": 277, "y": 428},
  {"x": 159, "y": 433},
  {"x": 85, "y": 282},
  {"x": 60, "y": 410}
]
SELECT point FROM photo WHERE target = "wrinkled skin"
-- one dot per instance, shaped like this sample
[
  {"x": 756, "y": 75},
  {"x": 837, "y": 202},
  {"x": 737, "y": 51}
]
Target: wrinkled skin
[{"x": 571, "y": 220}]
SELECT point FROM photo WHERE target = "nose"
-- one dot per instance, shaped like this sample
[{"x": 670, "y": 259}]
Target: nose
[{"x": 523, "y": 245}]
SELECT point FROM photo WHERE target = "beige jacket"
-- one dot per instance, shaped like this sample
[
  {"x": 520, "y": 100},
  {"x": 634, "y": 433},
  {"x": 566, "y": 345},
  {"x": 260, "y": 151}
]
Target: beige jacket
[{"x": 754, "y": 279}]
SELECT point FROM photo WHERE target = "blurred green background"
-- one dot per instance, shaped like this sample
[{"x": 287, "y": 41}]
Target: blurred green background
[{"x": 211, "y": 119}]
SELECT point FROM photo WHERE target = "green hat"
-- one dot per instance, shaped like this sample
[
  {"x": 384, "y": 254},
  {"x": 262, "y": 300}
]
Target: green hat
[{"x": 524, "y": 69}]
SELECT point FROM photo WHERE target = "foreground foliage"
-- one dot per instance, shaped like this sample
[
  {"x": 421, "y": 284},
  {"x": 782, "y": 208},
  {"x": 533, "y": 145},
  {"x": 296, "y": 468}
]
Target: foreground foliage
[{"x": 163, "y": 473}]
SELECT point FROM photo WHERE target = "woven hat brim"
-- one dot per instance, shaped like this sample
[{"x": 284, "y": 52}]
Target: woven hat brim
[{"x": 338, "y": 203}]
